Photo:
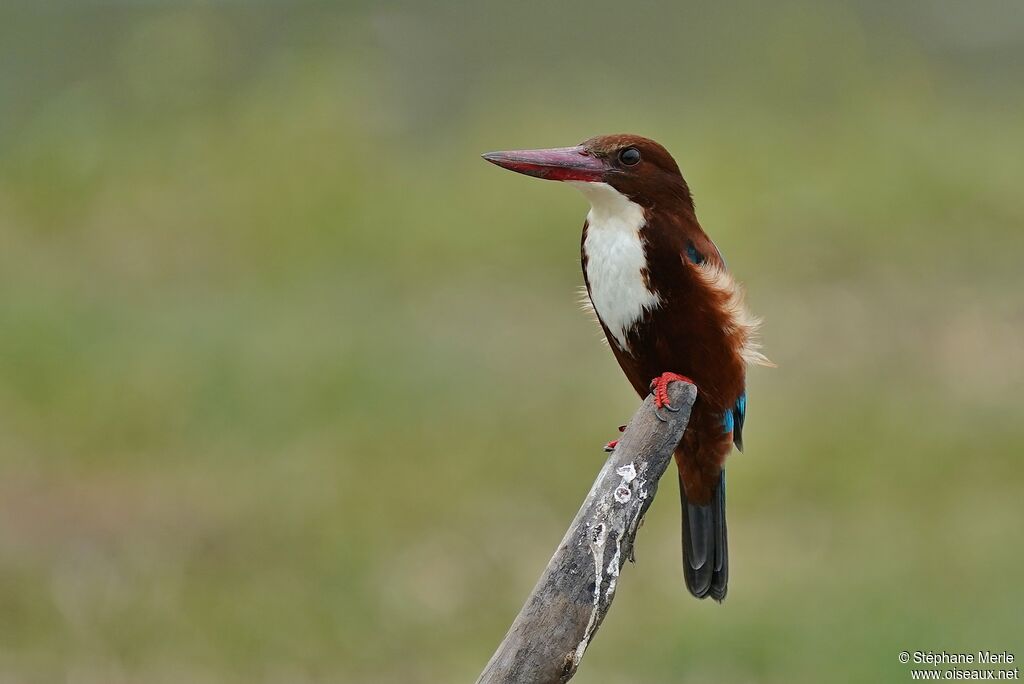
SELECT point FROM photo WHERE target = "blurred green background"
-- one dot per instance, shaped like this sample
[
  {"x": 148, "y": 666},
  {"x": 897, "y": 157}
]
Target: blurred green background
[{"x": 295, "y": 388}]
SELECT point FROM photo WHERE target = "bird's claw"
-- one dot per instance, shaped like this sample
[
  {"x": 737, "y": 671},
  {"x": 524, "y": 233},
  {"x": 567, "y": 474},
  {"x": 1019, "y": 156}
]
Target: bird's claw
[
  {"x": 659, "y": 388},
  {"x": 657, "y": 412},
  {"x": 610, "y": 446},
  {"x": 670, "y": 409}
]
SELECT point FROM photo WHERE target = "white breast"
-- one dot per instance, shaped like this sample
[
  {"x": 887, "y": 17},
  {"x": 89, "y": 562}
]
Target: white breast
[{"x": 616, "y": 260}]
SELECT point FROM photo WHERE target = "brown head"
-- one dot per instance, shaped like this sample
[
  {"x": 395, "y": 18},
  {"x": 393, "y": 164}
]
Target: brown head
[{"x": 636, "y": 167}]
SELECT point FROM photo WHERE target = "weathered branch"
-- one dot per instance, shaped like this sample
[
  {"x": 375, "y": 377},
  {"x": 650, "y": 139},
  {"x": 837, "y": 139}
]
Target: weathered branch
[{"x": 562, "y": 614}]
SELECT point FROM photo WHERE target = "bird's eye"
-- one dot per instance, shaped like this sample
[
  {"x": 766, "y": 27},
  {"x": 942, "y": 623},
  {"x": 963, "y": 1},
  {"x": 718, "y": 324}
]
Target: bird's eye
[{"x": 629, "y": 156}]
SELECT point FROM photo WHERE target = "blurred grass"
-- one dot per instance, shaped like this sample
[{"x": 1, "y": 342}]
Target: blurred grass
[{"x": 278, "y": 350}]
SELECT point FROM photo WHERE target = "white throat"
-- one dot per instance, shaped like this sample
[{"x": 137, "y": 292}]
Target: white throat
[{"x": 616, "y": 260}]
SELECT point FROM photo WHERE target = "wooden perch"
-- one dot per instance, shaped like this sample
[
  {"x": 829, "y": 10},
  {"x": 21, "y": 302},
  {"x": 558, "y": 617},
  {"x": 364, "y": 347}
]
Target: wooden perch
[{"x": 550, "y": 635}]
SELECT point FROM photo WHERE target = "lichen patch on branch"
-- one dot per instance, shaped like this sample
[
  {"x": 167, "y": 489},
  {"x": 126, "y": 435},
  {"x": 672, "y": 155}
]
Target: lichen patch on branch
[{"x": 556, "y": 625}]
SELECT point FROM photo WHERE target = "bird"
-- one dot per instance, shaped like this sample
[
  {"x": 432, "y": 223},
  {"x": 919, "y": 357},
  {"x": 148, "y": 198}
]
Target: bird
[{"x": 670, "y": 310}]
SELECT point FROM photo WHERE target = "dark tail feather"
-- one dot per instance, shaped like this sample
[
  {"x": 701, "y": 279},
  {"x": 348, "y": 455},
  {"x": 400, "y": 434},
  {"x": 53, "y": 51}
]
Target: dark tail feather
[{"x": 705, "y": 544}]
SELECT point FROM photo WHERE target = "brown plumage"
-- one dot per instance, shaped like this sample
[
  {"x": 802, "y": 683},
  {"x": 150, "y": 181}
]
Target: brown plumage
[
  {"x": 667, "y": 304},
  {"x": 693, "y": 331}
]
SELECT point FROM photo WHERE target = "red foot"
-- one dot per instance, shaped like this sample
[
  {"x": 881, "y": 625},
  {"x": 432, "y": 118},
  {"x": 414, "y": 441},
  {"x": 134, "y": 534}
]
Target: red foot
[
  {"x": 610, "y": 446},
  {"x": 659, "y": 387}
]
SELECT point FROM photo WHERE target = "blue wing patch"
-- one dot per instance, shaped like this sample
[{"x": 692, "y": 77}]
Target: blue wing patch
[
  {"x": 692, "y": 254},
  {"x": 732, "y": 421},
  {"x": 695, "y": 256}
]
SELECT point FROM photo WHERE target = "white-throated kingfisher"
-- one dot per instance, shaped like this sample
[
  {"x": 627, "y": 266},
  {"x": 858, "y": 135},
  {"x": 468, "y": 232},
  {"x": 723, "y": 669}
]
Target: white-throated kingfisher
[{"x": 670, "y": 311}]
